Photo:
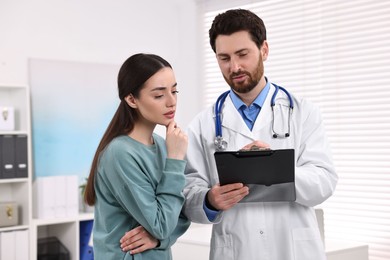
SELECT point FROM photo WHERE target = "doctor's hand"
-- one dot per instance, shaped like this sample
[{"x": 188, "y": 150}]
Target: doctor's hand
[
  {"x": 226, "y": 196},
  {"x": 256, "y": 145},
  {"x": 176, "y": 141},
  {"x": 137, "y": 241}
]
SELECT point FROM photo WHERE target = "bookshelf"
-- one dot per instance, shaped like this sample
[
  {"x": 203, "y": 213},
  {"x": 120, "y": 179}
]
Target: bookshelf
[{"x": 19, "y": 190}]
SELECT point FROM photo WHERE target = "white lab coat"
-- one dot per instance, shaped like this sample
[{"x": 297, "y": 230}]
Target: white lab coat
[{"x": 268, "y": 230}]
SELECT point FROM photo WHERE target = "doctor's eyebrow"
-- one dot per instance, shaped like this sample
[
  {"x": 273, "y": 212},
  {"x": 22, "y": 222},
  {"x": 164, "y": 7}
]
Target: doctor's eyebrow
[
  {"x": 238, "y": 52},
  {"x": 163, "y": 88}
]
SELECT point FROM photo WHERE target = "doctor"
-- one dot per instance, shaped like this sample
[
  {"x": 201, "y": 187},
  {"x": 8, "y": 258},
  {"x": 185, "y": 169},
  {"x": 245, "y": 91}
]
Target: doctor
[{"x": 257, "y": 230}]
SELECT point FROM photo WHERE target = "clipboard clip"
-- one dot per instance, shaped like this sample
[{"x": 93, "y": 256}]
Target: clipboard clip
[
  {"x": 253, "y": 151},
  {"x": 255, "y": 148}
]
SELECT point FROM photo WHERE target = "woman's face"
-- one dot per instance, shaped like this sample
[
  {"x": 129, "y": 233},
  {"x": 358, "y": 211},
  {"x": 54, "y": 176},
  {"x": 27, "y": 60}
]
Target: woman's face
[{"x": 156, "y": 103}]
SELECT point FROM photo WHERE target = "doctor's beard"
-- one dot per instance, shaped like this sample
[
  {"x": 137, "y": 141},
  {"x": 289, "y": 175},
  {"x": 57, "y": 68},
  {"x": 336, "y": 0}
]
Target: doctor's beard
[{"x": 251, "y": 83}]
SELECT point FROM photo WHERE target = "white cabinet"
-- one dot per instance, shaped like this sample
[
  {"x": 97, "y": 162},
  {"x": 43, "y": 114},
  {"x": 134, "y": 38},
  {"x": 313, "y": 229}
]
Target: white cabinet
[
  {"x": 18, "y": 189},
  {"x": 14, "y": 188}
]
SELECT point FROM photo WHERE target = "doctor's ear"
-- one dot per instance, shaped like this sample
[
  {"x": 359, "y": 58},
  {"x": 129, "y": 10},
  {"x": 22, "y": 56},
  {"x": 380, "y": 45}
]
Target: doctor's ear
[
  {"x": 264, "y": 50},
  {"x": 130, "y": 100}
]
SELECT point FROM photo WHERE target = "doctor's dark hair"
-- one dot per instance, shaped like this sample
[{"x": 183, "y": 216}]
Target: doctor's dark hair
[
  {"x": 133, "y": 74},
  {"x": 236, "y": 20}
]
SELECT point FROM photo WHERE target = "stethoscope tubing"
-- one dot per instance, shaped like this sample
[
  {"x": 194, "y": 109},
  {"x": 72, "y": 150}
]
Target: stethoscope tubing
[
  {"x": 218, "y": 110},
  {"x": 221, "y": 100}
]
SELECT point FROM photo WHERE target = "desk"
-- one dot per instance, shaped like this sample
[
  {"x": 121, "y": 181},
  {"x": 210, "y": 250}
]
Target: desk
[
  {"x": 345, "y": 250},
  {"x": 195, "y": 245}
]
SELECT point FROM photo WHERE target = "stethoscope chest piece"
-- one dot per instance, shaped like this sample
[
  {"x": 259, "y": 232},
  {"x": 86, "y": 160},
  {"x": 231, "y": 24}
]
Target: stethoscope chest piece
[{"x": 220, "y": 143}]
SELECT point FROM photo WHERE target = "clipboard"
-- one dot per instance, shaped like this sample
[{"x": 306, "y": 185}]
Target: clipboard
[{"x": 269, "y": 174}]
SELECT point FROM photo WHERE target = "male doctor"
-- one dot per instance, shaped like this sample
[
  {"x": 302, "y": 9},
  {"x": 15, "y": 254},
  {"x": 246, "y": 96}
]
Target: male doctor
[{"x": 256, "y": 230}]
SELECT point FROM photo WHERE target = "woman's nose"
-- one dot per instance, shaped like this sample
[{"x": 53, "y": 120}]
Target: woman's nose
[{"x": 171, "y": 100}]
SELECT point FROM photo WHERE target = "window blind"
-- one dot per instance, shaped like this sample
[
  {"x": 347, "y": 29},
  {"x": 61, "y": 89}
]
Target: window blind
[{"x": 337, "y": 54}]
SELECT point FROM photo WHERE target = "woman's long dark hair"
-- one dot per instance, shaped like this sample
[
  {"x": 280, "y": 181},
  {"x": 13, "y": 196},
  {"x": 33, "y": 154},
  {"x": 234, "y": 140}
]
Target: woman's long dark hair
[{"x": 132, "y": 76}]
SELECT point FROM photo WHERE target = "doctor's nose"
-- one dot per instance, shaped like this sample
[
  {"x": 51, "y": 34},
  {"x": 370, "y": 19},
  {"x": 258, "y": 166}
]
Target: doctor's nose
[{"x": 234, "y": 66}]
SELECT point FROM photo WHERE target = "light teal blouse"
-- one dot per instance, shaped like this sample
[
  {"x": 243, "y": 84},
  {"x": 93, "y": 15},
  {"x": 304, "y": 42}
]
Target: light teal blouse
[{"x": 137, "y": 185}]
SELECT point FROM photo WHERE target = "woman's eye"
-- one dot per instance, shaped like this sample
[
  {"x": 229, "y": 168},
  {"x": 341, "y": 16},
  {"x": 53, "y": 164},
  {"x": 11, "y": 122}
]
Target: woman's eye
[
  {"x": 175, "y": 92},
  {"x": 159, "y": 96}
]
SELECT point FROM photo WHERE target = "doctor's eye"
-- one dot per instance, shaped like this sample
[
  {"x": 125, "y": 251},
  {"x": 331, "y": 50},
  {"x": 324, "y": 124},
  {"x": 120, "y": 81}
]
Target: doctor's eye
[
  {"x": 223, "y": 58},
  {"x": 243, "y": 54},
  {"x": 175, "y": 92}
]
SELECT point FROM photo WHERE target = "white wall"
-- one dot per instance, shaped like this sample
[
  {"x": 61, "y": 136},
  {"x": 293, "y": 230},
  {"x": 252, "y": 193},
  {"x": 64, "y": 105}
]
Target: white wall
[{"x": 102, "y": 31}]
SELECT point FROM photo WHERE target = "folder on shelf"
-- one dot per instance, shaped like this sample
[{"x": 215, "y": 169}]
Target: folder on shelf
[
  {"x": 72, "y": 195},
  {"x": 56, "y": 196},
  {"x": 86, "y": 251},
  {"x": 59, "y": 189},
  {"x": 1, "y": 157},
  {"x": 44, "y": 197},
  {"x": 21, "y": 157},
  {"x": 8, "y": 156}
]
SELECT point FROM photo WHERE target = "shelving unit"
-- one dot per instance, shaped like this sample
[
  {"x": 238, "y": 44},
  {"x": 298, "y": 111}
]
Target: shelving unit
[
  {"x": 67, "y": 230},
  {"x": 19, "y": 190}
]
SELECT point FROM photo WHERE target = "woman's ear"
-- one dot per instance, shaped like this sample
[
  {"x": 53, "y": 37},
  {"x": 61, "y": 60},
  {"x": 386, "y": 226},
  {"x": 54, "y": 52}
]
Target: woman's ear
[{"x": 130, "y": 100}]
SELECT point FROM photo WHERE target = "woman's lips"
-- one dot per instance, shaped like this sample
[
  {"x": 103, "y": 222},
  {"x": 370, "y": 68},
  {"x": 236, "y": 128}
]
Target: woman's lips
[{"x": 170, "y": 114}]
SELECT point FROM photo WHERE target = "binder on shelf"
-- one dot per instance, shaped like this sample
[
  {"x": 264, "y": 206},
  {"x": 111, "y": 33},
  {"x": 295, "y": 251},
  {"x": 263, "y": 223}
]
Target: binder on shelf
[
  {"x": 72, "y": 195},
  {"x": 21, "y": 156},
  {"x": 44, "y": 201},
  {"x": 60, "y": 195},
  {"x": 56, "y": 196},
  {"x": 86, "y": 251},
  {"x": 8, "y": 156},
  {"x": 1, "y": 158}
]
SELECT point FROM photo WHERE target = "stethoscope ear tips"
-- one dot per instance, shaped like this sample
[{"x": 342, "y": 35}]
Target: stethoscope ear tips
[{"x": 276, "y": 135}]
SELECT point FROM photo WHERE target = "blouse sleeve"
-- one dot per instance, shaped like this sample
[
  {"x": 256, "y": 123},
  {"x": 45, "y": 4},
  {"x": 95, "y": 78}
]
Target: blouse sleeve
[
  {"x": 156, "y": 208},
  {"x": 182, "y": 226}
]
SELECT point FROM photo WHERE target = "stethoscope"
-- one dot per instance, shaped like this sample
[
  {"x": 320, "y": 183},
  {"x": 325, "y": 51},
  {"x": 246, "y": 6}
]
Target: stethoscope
[{"x": 221, "y": 144}]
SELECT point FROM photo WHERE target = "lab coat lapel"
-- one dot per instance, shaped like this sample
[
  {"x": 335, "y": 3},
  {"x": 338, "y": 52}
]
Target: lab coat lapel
[
  {"x": 232, "y": 119},
  {"x": 265, "y": 115}
]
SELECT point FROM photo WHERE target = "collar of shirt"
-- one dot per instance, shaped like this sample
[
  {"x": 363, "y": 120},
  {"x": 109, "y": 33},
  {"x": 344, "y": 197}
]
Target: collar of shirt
[{"x": 249, "y": 114}]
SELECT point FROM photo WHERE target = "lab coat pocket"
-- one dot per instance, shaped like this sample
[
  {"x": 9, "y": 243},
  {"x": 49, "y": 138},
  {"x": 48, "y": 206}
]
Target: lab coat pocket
[
  {"x": 308, "y": 244},
  {"x": 221, "y": 247}
]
